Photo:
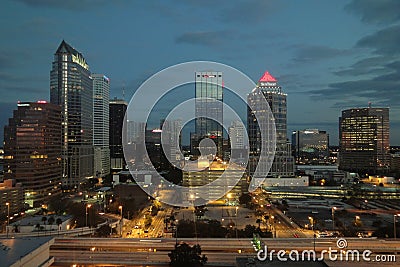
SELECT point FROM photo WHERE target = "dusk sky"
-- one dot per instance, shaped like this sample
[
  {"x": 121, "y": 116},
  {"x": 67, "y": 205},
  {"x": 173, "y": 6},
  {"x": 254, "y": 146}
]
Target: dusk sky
[{"x": 327, "y": 55}]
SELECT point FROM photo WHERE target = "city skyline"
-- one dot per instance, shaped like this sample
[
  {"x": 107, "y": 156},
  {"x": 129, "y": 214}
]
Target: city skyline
[{"x": 343, "y": 61}]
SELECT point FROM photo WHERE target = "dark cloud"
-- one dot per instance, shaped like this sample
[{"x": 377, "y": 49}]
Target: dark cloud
[
  {"x": 206, "y": 38},
  {"x": 383, "y": 42},
  {"x": 381, "y": 89},
  {"x": 68, "y": 5},
  {"x": 366, "y": 66},
  {"x": 313, "y": 53},
  {"x": 375, "y": 11},
  {"x": 375, "y": 77}
]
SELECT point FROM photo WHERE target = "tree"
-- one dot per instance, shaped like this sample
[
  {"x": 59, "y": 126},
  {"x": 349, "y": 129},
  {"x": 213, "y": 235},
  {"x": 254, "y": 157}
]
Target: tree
[
  {"x": 51, "y": 220},
  {"x": 244, "y": 199},
  {"x": 184, "y": 255},
  {"x": 37, "y": 226},
  {"x": 44, "y": 219},
  {"x": 199, "y": 211},
  {"x": 259, "y": 222},
  {"x": 103, "y": 231},
  {"x": 58, "y": 222}
]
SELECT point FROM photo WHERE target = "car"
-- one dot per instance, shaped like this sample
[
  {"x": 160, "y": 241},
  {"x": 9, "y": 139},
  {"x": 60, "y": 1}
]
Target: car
[
  {"x": 136, "y": 227},
  {"x": 323, "y": 234}
]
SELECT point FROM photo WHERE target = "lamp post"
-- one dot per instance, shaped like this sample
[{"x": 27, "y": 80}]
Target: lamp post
[
  {"x": 333, "y": 218},
  {"x": 236, "y": 221},
  {"x": 312, "y": 227},
  {"x": 87, "y": 207},
  {"x": 273, "y": 226},
  {"x": 192, "y": 198},
  {"x": 120, "y": 225},
  {"x": 8, "y": 216},
  {"x": 394, "y": 225},
  {"x": 176, "y": 232}
]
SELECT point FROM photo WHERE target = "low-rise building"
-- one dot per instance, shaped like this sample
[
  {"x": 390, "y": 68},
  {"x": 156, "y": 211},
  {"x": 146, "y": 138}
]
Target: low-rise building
[
  {"x": 37, "y": 223},
  {"x": 13, "y": 194}
]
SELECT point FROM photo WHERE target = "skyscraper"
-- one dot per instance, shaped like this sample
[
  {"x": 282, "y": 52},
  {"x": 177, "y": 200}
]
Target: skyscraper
[
  {"x": 311, "y": 146},
  {"x": 208, "y": 109},
  {"x": 268, "y": 89},
  {"x": 364, "y": 140},
  {"x": 32, "y": 147},
  {"x": 171, "y": 140},
  {"x": 101, "y": 98},
  {"x": 237, "y": 135},
  {"x": 71, "y": 87},
  {"x": 117, "y": 114}
]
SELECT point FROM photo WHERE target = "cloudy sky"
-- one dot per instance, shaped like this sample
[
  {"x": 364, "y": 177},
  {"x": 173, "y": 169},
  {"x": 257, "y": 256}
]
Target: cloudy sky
[{"x": 327, "y": 55}]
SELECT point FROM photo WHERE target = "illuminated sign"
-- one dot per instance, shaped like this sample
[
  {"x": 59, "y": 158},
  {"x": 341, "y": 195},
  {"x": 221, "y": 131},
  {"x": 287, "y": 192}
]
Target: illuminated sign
[
  {"x": 80, "y": 60},
  {"x": 267, "y": 84}
]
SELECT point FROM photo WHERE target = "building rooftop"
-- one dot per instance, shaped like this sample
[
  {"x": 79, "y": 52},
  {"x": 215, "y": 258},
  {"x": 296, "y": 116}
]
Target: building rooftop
[
  {"x": 34, "y": 220},
  {"x": 267, "y": 77},
  {"x": 12, "y": 250}
]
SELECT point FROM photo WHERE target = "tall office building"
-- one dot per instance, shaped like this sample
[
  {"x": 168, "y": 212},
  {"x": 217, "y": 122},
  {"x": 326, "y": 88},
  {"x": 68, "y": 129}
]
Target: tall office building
[
  {"x": 310, "y": 146},
  {"x": 117, "y": 114},
  {"x": 101, "y": 98},
  {"x": 33, "y": 149},
  {"x": 71, "y": 87},
  {"x": 268, "y": 89},
  {"x": 171, "y": 140},
  {"x": 237, "y": 135},
  {"x": 208, "y": 110},
  {"x": 364, "y": 140}
]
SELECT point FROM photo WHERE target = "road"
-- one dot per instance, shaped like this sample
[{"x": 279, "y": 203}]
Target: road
[{"x": 135, "y": 251}]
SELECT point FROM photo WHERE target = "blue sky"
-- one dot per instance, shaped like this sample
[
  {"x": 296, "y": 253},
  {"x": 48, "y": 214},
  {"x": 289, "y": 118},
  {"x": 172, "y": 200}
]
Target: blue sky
[{"x": 327, "y": 55}]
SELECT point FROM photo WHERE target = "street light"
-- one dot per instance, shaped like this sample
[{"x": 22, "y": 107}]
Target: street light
[
  {"x": 120, "y": 208},
  {"x": 312, "y": 227},
  {"x": 333, "y": 218},
  {"x": 236, "y": 221},
  {"x": 120, "y": 225},
  {"x": 8, "y": 216},
  {"x": 176, "y": 232},
  {"x": 394, "y": 224},
  {"x": 273, "y": 226},
  {"x": 87, "y": 207}
]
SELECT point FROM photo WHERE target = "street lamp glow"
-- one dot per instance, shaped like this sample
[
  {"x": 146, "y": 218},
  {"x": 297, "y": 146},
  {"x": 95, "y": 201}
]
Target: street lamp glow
[
  {"x": 8, "y": 215},
  {"x": 87, "y": 207}
]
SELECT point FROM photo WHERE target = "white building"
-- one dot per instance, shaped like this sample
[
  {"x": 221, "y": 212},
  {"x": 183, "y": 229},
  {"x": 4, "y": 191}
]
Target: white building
[
  {"x": 237, "y": 135},
  {"x": 101, "y": 97}
]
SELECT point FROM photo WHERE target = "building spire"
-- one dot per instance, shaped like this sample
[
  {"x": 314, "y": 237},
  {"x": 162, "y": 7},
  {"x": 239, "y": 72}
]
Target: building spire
[{"x": 267, "y": 77}]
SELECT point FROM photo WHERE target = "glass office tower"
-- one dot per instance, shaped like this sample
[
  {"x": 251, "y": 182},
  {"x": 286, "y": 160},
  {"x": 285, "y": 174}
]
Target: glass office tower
[
  {"x": 208, "y": 109},
  {"x": 32, "y": 151},
  {"x": 268, "y": 89},
  {"x": 364, "y": 140},
  {"x": 101, "y": 98},
  {"x": 71, "y": 87}
]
